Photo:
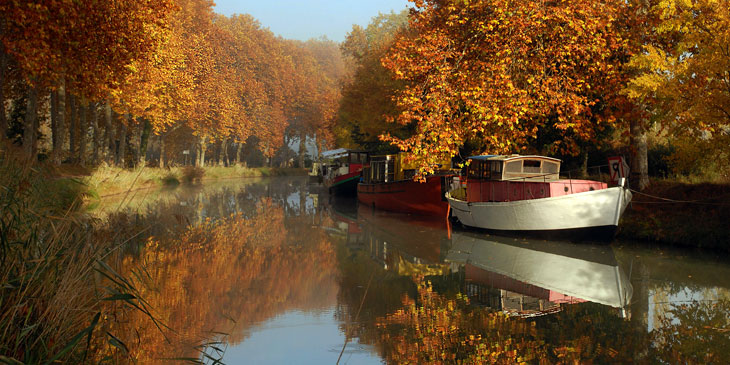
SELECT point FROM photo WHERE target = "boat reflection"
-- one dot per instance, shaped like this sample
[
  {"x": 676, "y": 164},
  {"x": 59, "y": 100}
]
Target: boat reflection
[
  {"x": 403, "y": 244},
  {"x": 529, "y": 278}
]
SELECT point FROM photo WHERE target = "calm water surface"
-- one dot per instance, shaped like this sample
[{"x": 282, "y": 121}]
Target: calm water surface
[{"x": 275, "y": 271}]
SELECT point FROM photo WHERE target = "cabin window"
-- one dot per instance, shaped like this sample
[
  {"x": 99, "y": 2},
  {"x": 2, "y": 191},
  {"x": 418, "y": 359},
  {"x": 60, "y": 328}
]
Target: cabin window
[
  {"x": 513, "y": 167},
  {"x": 390, "y": 170},
  {"x": 549, "y": 167},
  {"x": 358, "y": 158},
  {"x": 532, "y": 166},
  {"x": 479, "y": 170},
  {"x": 473, "y": 170},
  {"x": 378, "y": 171},
  {"x": 367, "y": 175},
  {"x": 409, "y": 174},
  {"x": 496, "y": 167}
]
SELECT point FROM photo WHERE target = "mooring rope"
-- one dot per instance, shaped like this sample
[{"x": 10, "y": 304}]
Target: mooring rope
[{"x": 669, "y": 201}]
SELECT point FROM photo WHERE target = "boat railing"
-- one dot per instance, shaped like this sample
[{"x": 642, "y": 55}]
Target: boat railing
[
  {"x": 545, "y": 178},
  {"x": 600, "y": 173}
]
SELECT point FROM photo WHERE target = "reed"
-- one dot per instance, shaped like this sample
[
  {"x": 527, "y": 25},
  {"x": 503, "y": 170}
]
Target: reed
[{"x": 56, "y": 291}]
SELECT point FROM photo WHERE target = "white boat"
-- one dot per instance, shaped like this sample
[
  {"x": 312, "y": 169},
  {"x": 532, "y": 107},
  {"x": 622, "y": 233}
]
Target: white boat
[{"x": 525, "y": 194}]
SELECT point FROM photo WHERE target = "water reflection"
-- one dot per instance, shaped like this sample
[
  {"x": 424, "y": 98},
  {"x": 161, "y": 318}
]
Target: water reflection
[
  {"x": 682, "y": 301},
  {"x": 532, "y": 277},
  {"x": 227, "y": 275},
  {"x": 277, "y": 272}
]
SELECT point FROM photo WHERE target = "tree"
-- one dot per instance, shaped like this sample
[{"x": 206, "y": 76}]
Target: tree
[
  {"x": 64, "y": 44},
  {"x": 497, "y": 71},
  {"x": 367, "y": 96},
  {"x": 685, "y": 71}
]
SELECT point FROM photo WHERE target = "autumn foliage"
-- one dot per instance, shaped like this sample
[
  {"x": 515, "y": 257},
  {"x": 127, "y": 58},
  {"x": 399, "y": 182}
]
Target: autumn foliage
[
  {"x": 499, "y": 71},
  {"x": 111, "y": 75}
]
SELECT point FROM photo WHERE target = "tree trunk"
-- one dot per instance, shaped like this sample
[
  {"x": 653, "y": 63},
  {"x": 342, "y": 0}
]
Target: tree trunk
[
  {"x": 54, "y": 121},
  {"x": 193, "y": 155},
  {"x": 226, "y": 158},
  {"x": 202, "y": 145},
  {"x": 317, "y": 148},
  {"x": 162, "y": 152},
  {"x": 239, "y": 149},
  {"x": 31, "y": 120},
  {"x": 219, "y": 154},
  {"x": 110, "y": 148},
  {"x": 72, "y": 126},
  {"x": 146, "y": 128},
  {"x": 59, "y": 135},
  {"x": 83, "y": 130},
  {"x": 122, "y": 150},
  {"x": 94, "y": 115},
  {"x": 584, "y": 164},
  {"x": 3, "y": 117},
  {"x": 302, "y": 148},
  {"x": 639, "y": 175},
  {"x": 134, "y": 131},
  {"x": 217, "y": 157}
]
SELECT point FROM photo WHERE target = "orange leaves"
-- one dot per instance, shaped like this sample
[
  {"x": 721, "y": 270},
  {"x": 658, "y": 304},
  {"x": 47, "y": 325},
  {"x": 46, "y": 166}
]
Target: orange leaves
[
  {"x": 174, "y": 63},
  {"x": 495, "y": 70},
  {"x": 67, "y": 39},
  {"x": 367, "y": 96}
]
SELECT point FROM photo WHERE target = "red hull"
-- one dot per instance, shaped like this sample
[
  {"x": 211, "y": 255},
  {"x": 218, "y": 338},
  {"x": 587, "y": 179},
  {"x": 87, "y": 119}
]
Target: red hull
[{"x": 406, "y": 196}]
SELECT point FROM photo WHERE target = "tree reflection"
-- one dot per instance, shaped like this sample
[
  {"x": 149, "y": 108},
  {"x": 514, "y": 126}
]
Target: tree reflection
[
  {"x": 695, "y": 332},
  {"x": 219, "y": 278},
  {"x": 437, "y": 330}
]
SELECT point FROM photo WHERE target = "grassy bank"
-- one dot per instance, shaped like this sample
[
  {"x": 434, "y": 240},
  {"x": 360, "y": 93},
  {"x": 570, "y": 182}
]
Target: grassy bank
[
  {"x": 105, "y": 180},
  {"x": 680, "y": 214}
]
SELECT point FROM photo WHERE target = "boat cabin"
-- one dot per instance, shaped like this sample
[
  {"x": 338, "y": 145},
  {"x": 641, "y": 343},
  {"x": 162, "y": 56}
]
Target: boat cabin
[
  {"x": 513, "y": 167},
  {"x": 390, "y": 168},
  {"x": 503, "y": 178},
  {"x": 342, "y": 161}
]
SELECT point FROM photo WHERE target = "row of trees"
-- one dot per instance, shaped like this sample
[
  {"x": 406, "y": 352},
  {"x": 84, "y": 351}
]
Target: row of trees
[
  {"x": 107, "y": 76},
  {"x": 541, "y": 77}
]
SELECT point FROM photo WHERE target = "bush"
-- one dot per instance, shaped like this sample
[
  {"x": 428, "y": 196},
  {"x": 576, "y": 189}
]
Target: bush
[
  {"x": 170, "y": 180},
  {"x": 192, "y": 174},
  {"x": 658, "y": 156}
]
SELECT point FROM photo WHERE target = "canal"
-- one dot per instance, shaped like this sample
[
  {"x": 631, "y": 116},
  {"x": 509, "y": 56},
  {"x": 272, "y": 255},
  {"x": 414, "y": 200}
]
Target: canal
[{"x": 276, "y": 271}]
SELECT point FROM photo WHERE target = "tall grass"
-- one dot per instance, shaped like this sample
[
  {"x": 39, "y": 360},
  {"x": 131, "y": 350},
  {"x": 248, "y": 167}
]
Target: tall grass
[{"x": 55, "y": 289}]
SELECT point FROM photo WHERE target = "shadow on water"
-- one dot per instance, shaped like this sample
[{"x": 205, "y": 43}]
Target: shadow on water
[{"x": 272, "y": 271}]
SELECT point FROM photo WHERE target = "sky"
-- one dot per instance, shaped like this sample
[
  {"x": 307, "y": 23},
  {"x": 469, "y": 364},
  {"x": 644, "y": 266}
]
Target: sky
[{"x": 305, "y": 19}]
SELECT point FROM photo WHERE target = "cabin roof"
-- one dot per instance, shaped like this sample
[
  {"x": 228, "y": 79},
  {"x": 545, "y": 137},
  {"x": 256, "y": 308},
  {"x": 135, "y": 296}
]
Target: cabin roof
[
  {"x": 339, "y": 152},
  {"x": 335, "y": 152},
  {"x": 511, "y": 157}
]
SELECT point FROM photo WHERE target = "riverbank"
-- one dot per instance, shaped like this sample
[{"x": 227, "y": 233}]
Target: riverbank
[
  {"x": 108, "y": 181},
  {"x": 670, "y": 213}
]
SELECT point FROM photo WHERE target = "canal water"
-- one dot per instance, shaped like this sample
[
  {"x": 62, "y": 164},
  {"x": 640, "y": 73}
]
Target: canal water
[{"x": 276, "y": 271}]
